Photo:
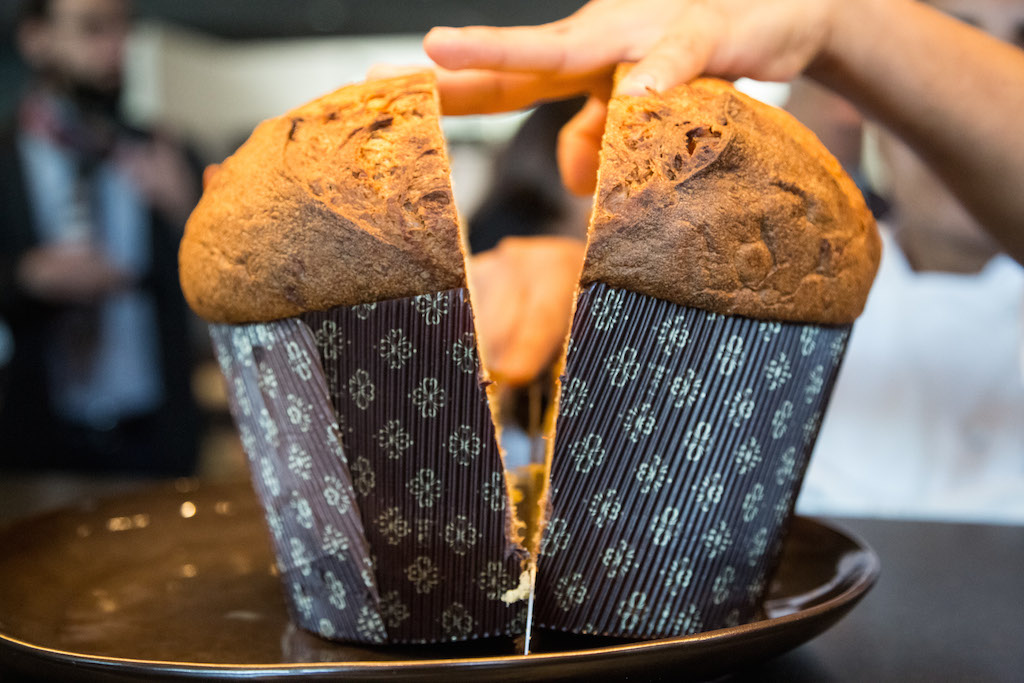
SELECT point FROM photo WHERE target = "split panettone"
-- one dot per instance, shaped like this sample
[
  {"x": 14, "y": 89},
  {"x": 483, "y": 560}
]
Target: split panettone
[{"x": 727, "y": 256}]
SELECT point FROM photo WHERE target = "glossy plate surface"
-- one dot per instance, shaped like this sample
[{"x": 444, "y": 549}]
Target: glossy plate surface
[{"x": 178, "y": 583}]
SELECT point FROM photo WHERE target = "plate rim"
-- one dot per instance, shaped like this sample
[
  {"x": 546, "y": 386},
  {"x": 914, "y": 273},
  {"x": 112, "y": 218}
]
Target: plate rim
[{"x": 860, "y": 580}]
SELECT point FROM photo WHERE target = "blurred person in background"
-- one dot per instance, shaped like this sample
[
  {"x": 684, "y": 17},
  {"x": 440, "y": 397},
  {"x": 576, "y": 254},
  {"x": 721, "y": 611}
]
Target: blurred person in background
[{"x": 91, "y": 211}]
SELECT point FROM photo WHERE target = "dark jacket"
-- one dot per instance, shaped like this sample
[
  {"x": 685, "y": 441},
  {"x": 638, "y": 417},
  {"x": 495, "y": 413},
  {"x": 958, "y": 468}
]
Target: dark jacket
[{"x": 32, "y": 436}]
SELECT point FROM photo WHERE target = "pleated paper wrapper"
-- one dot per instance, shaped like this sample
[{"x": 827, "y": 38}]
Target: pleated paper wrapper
[
  {"x": 372, "y": 449},
  {"x": 682, "y": 438}
]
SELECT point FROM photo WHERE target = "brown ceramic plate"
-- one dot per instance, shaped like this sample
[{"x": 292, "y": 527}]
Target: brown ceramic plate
[{"x": 178, "y": 583}]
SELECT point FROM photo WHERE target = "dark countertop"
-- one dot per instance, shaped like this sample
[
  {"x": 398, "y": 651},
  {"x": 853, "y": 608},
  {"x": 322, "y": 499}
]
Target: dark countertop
[{"x": 948, "y": 606}]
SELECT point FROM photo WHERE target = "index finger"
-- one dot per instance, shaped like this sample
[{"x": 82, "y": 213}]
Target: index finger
[{"x": 486, "y": 92}]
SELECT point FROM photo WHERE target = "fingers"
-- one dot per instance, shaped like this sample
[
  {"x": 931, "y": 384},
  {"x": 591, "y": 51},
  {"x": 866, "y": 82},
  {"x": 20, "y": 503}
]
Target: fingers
[
  {"x": 676, "y": 58},
  {"x": 569, "y": 46},
  {"x": 484, "y": 92},
  {"x": 579, "y": 147}
]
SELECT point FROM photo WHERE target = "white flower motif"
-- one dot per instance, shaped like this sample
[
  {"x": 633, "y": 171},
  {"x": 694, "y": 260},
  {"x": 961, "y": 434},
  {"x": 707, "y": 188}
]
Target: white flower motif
[
  {"x": 639, "y": 422},
  {"x": 361, "y": 389},
  {"x": 303, "y": 602},
  {"x": 730, "y": 355},
  {"x": 673, "y": 334},
  {"x": 815, "y": 383},
  {"x": 678, "y": 576},
  {"x": 808, "y": 340},
  {"x": 810, "y": 428},
  {"x": 334, "y": 542},
  {"x": 717, "y": 540},
  {"x": 303, "y": 510},
  {"x": 275, "y": 524},
  {"x": 686, "y": 389},
  {"x": 758, "y": 546},
  {"x": 663, "y": 527},
  {"x": 606, "y": 310},
  {"x": 574, "y": 397},
  {"x": 747, "y": 455},
  {"x": 425, "y": 487},
  {"x": 336, "y": 593},
  {"x": 632, "y": 610},
  {"x": 299, "y": 361},
  {"x": 687, "y": 620},
  {"x": 464, "y": 445},
  {"x": 783, "y": 507},
  {"x": 431, "y": 306},
  {"x": 456, "y": 622},
  {"x": 300, "y": 557},
  {"x": 265, "y": 334},
  {"x": 300, "y": 463},
  {"x": 605, "y": 507},
  {"x": 837, "y": 347},
  {"x": 709, "y": 491},
  {"x": 325, "y": 627},
  {"x": 769, "y": 330},
  {"x": 266, "y": 380},
  {"x": 429, "y": 397},
  {"x": 587, "y": 453},
  {"x": 619, "y": 559},
  {"x": 363, "y": 311},
  {"x": 328, "y": 339},
  {"x": 423, "y": 574},
  {"x": 555, "y": 537},
  {"x": 336, "y": 493},
  {"x": 243, "y": 345},
  {"x": 786, "y": 471},
  {"x": 651, "y": 474},
  {"x": 363, "y": 476},
  {"x": 370, "y": 626},
  {"x": 242, "y": 398},
  {"x": 393, "y": 439},
  {"x": 494, "y": 492},
  {"x": 752, "y": 502},
  {"x": 269, "y": 476},
  {"x": 622, "y": 366},
  {"x": 298, "y": 412},
  {"x": 395, "y": 349},
  {"x": 464, "y": 353},
  {"x": 722, "y": 585},
  {"x": 224, "y": 359},
  {"x": 778, "y": 371},
  {"x": 755, "y": 590},
  {"x": 460, "y": 535},
  {"x": 248, "y": 441},
  {"x": 424, "y": 531},
  {"x": 493, "y": 580},
  {"x": 392, "y": 610},
  {"x": 780, "y": 420},
  {"x": 697, "y": 441},
  {"x": 570, "y": 591},
  {"x": 392, "y": 525},
  {"x": 333, "y": 442},
  {"x": 741, "y": 407}
]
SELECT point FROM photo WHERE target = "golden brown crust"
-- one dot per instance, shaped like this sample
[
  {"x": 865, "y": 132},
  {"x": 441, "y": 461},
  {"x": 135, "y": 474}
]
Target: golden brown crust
[
  {"x": 708, "y": 198},
  {"x": 343, "y": 201}
]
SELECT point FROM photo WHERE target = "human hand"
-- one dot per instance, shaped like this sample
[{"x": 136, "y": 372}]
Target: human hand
[
  {"x": 163, "y": 175},
  {"x": 69, "y": 274},
  {"x": 523, "y": 291},
  {"x": 486, "y": 69}
]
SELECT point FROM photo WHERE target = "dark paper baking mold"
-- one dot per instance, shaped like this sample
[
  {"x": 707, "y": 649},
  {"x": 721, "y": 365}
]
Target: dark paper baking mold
[
  {"x": 372, "y": 449},
  {"x": 681, "y": 441}
]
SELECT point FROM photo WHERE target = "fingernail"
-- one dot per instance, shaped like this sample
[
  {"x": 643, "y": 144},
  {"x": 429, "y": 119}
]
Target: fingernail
[{"x": 637, "y": 84}]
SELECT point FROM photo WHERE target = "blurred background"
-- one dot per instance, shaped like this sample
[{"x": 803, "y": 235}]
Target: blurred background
[{"x": 926, "y": 419}]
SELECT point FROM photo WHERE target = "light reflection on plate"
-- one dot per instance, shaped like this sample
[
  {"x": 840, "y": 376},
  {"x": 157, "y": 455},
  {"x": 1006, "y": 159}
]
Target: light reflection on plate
[{"x": 179, "y": 583}]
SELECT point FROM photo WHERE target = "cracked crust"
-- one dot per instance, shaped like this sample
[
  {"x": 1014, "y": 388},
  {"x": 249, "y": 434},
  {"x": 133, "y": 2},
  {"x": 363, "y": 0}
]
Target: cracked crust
[
  {"x": 343, "y": 201},
  {"x": 708, "y": 198}
]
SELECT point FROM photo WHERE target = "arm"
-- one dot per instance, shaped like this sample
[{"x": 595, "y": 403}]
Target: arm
[{"x": 950, "y": 91}]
